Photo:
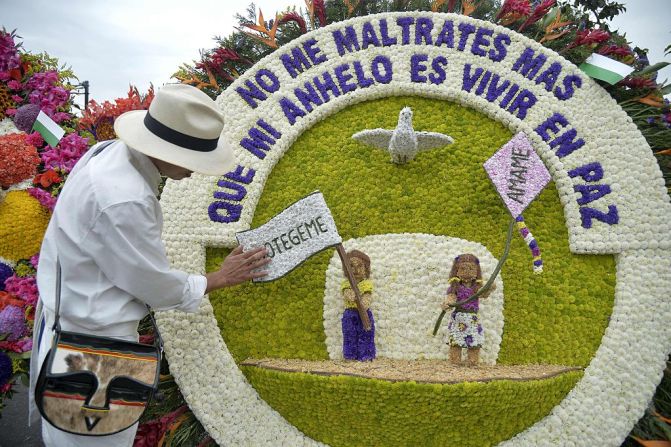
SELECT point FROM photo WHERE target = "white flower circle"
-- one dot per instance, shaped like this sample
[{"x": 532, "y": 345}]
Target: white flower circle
[{"x": 621, "y": 378}]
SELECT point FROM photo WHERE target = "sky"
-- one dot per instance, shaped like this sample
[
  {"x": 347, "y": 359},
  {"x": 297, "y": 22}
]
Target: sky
[{"x": 114, "y": 43}]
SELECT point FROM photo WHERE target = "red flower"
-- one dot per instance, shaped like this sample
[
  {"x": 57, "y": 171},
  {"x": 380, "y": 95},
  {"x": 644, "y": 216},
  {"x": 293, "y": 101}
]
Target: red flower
[
  {"x": 614, "y": 50},
  {"x": 150, "y": 433},
  {"x": 320, "y": 11},
  {"x": 7, "y": 299},
  {"x": 513, "y": 10},
  {"x": 294, "y": 17},
  {"x": 19, "y": 159},
  {"x": 217, "y": 61},
  {"x": 588, "y": 37},
  {"x": 47, "y": 178},
  {"x": 638, "y": 82},
  {"x": 591, "y": 36},
  {"x": 539, "y": 12}
]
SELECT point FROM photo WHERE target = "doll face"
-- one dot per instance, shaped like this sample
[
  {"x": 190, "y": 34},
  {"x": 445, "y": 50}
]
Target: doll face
[
  {"x": 467, "y": 271},
  {"x": 358, "y": 269}
]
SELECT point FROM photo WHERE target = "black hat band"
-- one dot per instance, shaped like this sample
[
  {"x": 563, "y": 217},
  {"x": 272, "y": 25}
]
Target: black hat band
[{"x": 178, "y": 138}]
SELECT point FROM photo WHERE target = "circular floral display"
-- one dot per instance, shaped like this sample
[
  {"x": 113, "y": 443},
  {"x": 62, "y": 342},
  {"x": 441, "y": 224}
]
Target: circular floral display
[{"x": 293, "y": 118}]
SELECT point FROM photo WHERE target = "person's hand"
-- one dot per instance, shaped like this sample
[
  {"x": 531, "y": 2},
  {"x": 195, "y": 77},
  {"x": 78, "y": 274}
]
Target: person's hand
[
  {"x": 237, "y": 268},
  {"x": 489, "y": 291}
]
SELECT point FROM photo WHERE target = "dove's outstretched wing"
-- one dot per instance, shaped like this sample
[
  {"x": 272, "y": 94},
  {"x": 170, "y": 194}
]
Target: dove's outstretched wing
[
  {"x": 430, "y": 140},
  {"x": 378, "y": 138}
]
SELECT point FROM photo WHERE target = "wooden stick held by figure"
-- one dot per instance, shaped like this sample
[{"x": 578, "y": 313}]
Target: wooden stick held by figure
[{"x": 347, "y": 269}]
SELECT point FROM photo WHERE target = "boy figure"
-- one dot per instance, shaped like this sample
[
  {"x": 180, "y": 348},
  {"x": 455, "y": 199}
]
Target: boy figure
[{"x": 358, "y": 343}]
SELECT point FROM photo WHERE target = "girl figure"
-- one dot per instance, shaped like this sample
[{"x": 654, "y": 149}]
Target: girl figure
[
  {"x": 358, "y": 344},
  {"x": 464, "y": 328}
]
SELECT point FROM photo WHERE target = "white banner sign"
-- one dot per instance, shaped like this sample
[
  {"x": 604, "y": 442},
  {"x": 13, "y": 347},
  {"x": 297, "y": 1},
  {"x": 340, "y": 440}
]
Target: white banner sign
[{"x": 300, "y": 231}]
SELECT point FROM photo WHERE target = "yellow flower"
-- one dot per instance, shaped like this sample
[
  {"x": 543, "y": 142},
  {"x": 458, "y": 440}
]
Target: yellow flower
[{"x": 23, "y": 222}]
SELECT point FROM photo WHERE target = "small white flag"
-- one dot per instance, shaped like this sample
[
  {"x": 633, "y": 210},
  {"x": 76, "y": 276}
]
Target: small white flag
[
  {"x": 50, "y": 131},
  {"x": 605, "y": 69},
  {"x": 300, "y": 231}
]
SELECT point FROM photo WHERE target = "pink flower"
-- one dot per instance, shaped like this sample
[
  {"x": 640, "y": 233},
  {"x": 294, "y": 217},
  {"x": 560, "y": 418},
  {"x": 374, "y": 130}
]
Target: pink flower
[
  {"x": 24, "y": 288},
  {"x": 35, "y": 139},
  {"x": 14, "y": 85},
  {"x": 46, "y": 93},
  {"x": 17, "y": 99},
  {"x": 35, "y": 260},
  {"x": 25, "y": 344},
  {"x": 9, "y": 55},
  {"x": 22, "y": 345},
  {"x": 67, "y": 153},
  {"x": 44, "y": 197},
  {"x": 61, "y": 116},
  {"x": 10, "y": 112}
]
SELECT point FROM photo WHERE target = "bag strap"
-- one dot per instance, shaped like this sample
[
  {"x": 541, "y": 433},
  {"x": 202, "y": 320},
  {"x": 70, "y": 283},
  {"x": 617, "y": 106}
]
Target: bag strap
[{"x": 102, "y": 146}]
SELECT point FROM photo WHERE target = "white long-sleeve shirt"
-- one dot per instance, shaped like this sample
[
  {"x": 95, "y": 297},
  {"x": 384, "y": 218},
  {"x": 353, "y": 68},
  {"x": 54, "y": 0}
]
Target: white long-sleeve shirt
[{"x": 106, "y": 230}]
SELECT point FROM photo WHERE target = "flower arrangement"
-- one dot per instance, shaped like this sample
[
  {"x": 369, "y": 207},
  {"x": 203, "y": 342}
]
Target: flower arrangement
[
  {"x": 31, "y": 176},
  {"x": 17, "y": 313},
  {"x": 310, "y": 132},
  {"x": 98, "y": 119},
  {"x": 20, "y": 160},
  {"x": 170, "y": 423}
]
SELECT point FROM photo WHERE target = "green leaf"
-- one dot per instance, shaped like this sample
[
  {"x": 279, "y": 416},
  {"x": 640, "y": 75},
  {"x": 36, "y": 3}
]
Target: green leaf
[
  {"x": 550, "y": 16},
  {"x": 651, "y": 68}
]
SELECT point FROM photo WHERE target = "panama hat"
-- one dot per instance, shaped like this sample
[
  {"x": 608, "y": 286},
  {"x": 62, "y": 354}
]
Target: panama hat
[{"x": 182, "y": 127}]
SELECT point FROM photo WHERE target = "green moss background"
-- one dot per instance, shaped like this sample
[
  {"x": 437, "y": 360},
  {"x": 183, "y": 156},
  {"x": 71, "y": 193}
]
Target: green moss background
[
  {"x": 558, "y": 317},
  {"x": 361, "y": 412}
]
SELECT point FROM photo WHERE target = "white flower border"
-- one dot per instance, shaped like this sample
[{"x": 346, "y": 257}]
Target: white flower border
[{"x": 620, "y": 380}]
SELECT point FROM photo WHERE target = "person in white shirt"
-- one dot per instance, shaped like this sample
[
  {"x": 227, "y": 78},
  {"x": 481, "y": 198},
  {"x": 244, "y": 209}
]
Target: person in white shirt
[{"x": 106, "y": 233}]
